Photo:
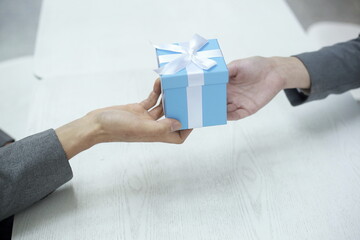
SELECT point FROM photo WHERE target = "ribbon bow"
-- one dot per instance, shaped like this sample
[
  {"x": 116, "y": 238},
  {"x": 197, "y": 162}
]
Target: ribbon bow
[{"x": 188, "y": 53}]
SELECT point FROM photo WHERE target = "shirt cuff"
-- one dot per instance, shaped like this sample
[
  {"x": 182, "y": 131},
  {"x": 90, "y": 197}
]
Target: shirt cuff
[{"x": 5, "y": 138}]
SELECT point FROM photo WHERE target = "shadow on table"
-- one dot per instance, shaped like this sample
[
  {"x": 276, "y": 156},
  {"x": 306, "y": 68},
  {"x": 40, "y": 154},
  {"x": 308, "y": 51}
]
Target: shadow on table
[{"x": 334, "y": 112}]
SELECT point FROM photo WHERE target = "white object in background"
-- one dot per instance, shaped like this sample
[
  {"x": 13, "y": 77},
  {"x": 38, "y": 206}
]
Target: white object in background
[
  {"x": 82, "y": 37},
  {"x": 16, "y": 91},
  {"x": 328, "y": 33}
]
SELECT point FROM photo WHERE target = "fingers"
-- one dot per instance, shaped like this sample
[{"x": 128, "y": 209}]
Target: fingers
[
  {"x": 168, "y": 125},
  {"x": 237, "y": 114},
  {"x": 150, "y": 101},
  {"x": 157, "y": 112},
  {"x": 166, "y": 130},
  {"x": 184, "y": 134},
  {"x": 161, "y": 127},
  {"x": 231, "y": 107},
  {"x": 153, "y": 97},
  {"x": 157, "y": 86},
  {"x": 232, "y": 68},
  {"x": 177, "y": 137}
]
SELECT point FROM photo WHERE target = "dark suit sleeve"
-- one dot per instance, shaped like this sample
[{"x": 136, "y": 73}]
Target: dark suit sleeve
[
  {"x": 332, "y": 70},
  {"x": 30, "y": 169}
]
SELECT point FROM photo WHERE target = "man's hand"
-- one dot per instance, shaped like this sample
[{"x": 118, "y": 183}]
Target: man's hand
[
  {"x": 253, "y": 82},
  {"x": 136, "y": 122}
]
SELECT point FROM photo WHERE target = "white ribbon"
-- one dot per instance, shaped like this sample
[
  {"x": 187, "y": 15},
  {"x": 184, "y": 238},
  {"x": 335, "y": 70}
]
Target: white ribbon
[{"x": 187, "y": 54}]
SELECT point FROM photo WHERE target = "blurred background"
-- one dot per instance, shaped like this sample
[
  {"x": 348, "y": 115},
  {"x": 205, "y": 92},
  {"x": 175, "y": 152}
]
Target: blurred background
[
  {"x": 324, "y": 22},
  {"x": 19, "y": 20}
]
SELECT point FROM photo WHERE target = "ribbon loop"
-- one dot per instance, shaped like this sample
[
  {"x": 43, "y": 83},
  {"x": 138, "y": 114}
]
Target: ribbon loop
[
  {"x": 196, "y": 43},
  {"x": 187, "y": 53}
]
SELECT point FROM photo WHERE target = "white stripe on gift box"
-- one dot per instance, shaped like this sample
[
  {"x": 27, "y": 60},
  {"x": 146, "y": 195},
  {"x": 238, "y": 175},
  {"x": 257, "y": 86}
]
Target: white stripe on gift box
[
  {"x": 195, "y": 75},
  {"x": 194, "y": 95},
  {"x": 194, "y": 106}
]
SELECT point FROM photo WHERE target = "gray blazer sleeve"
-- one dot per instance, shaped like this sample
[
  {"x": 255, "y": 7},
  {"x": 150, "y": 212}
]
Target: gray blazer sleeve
[
  {"x": 332, "y": 70},
  {"x": 30, "y": 169}
]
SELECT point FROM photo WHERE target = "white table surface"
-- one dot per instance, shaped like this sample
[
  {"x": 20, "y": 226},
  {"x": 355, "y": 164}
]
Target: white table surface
[
  {"x": 284, "y": 173},
  {"x": 81, "y": 37},
  {"x": 17, "y": 82}
]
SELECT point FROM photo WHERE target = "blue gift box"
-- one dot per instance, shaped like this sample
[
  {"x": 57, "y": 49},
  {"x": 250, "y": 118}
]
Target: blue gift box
[{"x": 195, "y": 96}]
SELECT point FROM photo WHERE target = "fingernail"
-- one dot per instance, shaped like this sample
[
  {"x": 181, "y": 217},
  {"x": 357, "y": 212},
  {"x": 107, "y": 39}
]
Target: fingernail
[{"x": 175, "y": 126}]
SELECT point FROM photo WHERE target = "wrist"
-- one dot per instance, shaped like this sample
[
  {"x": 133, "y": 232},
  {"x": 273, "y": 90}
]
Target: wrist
[
  {"x": 79, "y": 135},
  {"x": 292, "y": 72}
]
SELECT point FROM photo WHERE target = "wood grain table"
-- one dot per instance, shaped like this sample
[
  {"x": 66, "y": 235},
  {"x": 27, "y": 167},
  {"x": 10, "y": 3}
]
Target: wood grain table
[{"x": 284, "y": 173}]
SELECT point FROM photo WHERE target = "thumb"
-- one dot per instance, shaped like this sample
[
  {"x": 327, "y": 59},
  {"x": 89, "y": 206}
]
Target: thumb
[
  {"x": 169, "y": 124},
  {"x": 232, "y": 68}
]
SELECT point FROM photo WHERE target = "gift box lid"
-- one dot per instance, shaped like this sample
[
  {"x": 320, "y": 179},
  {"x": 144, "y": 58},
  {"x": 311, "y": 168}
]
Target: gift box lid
[{"x": 218, "y": 74}]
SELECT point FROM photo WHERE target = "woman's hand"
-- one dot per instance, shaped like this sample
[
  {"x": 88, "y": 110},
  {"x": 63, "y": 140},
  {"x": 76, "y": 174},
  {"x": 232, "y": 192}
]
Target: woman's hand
[
  {"x": 254, "y": 81},
  {"x": 136, "y": 122}
]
